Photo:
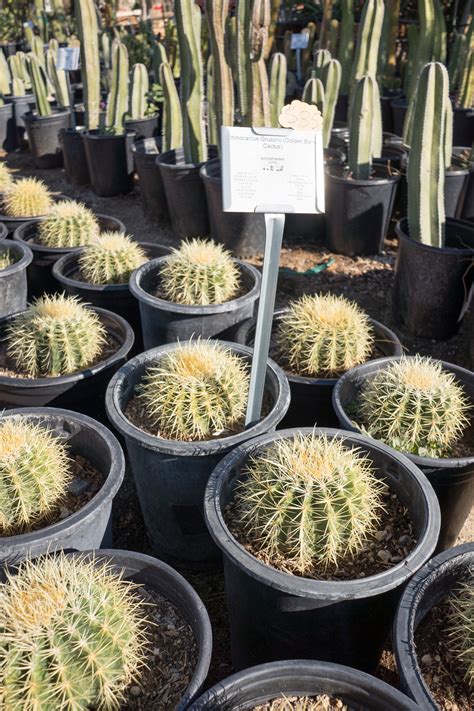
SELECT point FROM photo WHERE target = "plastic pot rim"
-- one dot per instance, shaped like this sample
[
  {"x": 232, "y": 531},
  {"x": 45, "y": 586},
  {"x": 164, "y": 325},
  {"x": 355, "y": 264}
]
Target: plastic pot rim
[
  {"x": 376, "y": 181},
  {"x": 193, "y": 310},
  {"x": 166, "y": 160},
  {"x": 401, "y": 230},
  {"x": 403, "y": 625},
  {"x": 58, "y": 113},
  {"x": 143, "y": 119},
  {"x": 111, "y": 484},
  {"x": 202, "y": 447},
  {"x": 6, "y": 105},
  {"x": 24, "y": 261},
  {"x": 295, "y": 585},
  {"x": 121, "y": 352},
  {"x": 95, "y": 134},
  {"x": 422, "y": 462}
]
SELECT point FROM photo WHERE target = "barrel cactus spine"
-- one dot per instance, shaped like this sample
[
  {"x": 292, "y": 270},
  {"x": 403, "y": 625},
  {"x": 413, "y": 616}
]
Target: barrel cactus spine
[
  {"x": 252, "y": 78},
  {"x": 212, "y": 132},
  {"x": 365, "y": 129},
  {"x": 368, "y": 40},
  {"x": 159, "y": 56},
  {"x": 27, "y": 197},
  {"x": 278, "y": 74},
  {"x": 117, "y": 101},
  {"x": 88, "y": 31},
  {"x": 320, "y": 58},
  {"x": 217, "y": 12},
  {"x": 172, "y": 128},
  {"x": 139, "y": 92},
  {"x": 456, "y": 53}
]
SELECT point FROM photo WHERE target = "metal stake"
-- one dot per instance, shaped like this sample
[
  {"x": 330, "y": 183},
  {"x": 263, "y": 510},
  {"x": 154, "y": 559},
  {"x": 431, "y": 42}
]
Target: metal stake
[{"x": 274, "y": 226}]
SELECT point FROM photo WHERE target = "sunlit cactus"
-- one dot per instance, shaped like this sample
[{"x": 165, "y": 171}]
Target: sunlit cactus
[
  {"x": 69, "y": 224},
  {"x": 110, "y": 259},
  {"x": 6, "y": 260},
  {"x": 461, "y": 630},
  {"x": 6, "y": 177},
  {"x": 27, "y": 197}
]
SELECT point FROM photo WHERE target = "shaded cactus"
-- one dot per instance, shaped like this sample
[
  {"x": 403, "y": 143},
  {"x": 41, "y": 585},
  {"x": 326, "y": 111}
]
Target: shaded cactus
[
  {"x": 80, "y": 623},
  {"x": 58, "y": 79},
  {"x": 34, "y": 474},
  {"x": 27, "y": 197},
  {"x": 195, "y": 392},
  {"x": 306, "y": 54},
  {"x": 313, "y": 93},
  {"x": 39, "y": 84},
  {"x": 323, "y": 336},
  {"x": 37, "y": 48},
  {"x": 461, "y": 630},
  {"x": 6, "y": 260},
  {"x": 325, "y": 23},
  {"x": 277, "y": 87},
  {"x": 387, "y": 63},
  {"x": 158, "y": 58},
  {"x": 320, "y": 59},
  {"x": 439, "y": 53},
  {"x": 465, "y": 99},
  {"x": 139, "y": 92},
  {"x": 6, "y": 177},
  {"x": 368, "y": 40},
  {"x": 69, "y": 224},
  {"x": 333, "y": 38},
  {"x": 456, "y": 54},
  {"x": 200, "y": 272},
  {"x": 110, "y": 259},
  {"x": 217, "y": 12},
  {"x": 366, "y": 128},
  {"x": 253, "y": 20},
  {"x": 88, "y": 31},
  {"x": 56, "y": 335},
  {"x": 117, "y": 101},
  {"x": 172, "y": 127},
  {"x": 413, "y": 405},
  {"x": 53, "y": 46},
  {"x": 212, "y": 132},
  {"x": 106, "y": 50},
  {"x": 308, "y": 502}
]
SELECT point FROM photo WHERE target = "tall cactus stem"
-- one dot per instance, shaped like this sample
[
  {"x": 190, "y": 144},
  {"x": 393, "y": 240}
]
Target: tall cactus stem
[
  {"x": 172, "y": 120},
  {"x": 277, "y": 86},
  {"x": 217, "y": 12},
  {"x": 88, "y": 31},
  {"x": 139, "y": 92},
  {"x": 117, "y": 102},
  {"x": 38, "y": 80}
]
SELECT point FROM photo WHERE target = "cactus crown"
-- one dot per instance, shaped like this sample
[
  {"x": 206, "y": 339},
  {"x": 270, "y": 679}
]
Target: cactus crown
[
  {"x": 324, "y": 335},
  {"x": 69, "y": 224},
  {"x": 6, "y": 179},
  {"x": 56, "y": 335},
  {"x": 27, "y": 197},
  {"x": 34, "y": 474},
  {"x": 461, "y": 630},
  {"x": 199, "y": 272},
  {"x": 415, "y": 406},
  {"x": 309, "y": 501},
  {"x": 110, "y": 259},
  {"x": 196, "y": 392},
  {"x": 75, "y": 628}
]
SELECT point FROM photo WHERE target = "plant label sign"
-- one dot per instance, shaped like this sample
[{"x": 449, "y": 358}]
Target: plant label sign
[
  {"x": 68, "y": 58},
  {"x": 272, "y": 170},
  {"x": 300, "y": 40}
]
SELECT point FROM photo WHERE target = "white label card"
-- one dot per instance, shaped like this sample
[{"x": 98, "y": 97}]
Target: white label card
[
  {"x": 272, "y": 170},
  {"x": 300, "y": 40},
  {"x": 68, "y": 58}
]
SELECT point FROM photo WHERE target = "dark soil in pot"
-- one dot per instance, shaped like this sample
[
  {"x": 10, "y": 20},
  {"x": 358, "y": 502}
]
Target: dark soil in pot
[
  {"x": 110, "y": 162},
  {"x": 446, "y": 275},
  {"x": 429, "y": 671},
  {"x": 74, "y": 156},
  {"x": 82, "y": 519},
  {"x": 261, "y": 684},
  {"x": 13, "y": 282},
  {"x": 311, "y": 398},
  {"x": 8, "y": 137},
  {"x": 40, "y": 275},
  {"x": 150, "y": 183},
  {"x": 276, "y": 615},
  {"x": 114, "y": 297},
  {"x": 358, "y": 212},
  {"x": 452, "y": 477},
  {"x": 43, "y": 137},
  {"x": 83, "y": 391},
  {"x": 171, "y": 475},
  {"x": 165, "y": 322}
]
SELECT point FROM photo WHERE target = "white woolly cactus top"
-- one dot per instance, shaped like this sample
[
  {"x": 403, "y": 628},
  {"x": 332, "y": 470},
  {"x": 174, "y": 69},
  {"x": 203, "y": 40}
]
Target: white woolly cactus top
[
  {"x": 323, "y": 335},
  {"x": 415, "y": 406},
  {"x": 27, "y": 197},
  {"x": 461, "y": 629},
  {"x": 69, "y": 224},
  {"x": 6, "y": 178},
  {"x": 110, "y": 259},
  {"x": 200, "y": 272}
]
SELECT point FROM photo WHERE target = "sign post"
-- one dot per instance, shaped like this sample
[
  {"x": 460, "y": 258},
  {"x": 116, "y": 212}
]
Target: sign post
[
  {"x": 273, "y": 171},
  {"x": 299, "y": 41}
]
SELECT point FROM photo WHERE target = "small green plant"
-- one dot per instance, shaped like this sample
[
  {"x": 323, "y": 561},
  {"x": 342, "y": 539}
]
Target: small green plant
[
  {"x": 199, "y": 272},
  {"x": 6, "y": 259},
  {"x": 110, "y": 259},
  {"x": 56, "y": 335},
  {"x": 27, "y": 197},
  {"x": 324, "y": 335},
  {"x": 73, "y": 635},
  {"x": 6, "y": 179},
  {"x": 195, "y": 392},
  {"x": 34, "y": 474},
  {"x": 461, "y": 630},
  {"x": 69, "y": 224},
  {"x": 309, "y": 501},
  {"x": 414, "y": 405}
]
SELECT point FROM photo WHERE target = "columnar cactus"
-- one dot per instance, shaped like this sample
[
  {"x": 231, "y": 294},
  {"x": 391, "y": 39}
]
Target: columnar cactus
[
  {"x": 331, "y": 79},
  {"x": 56, "y": 335},
  {"x": 424, "y": 44},
  {"x": 196, "y": 392},
  {"x": 77, "y": 630},
  {"x": 69, "y": 224},
  {"x": 217, "y": 12},
  {"x": 19, "y": 74},
  {"x": 5, "y": 76},
  {"x": 139, "y": 92},
  {"x": 320, "y": 59},
  {"x": 212, "y": 131},
  {"x": 110, "y": 259},
  {"x": 117, "y": 101},
  {"x": 456, "y": 53},
  {"x": 366, "y": 127},
  {"x": 88, "y": 31},
  {"x": 34, "y": 474},
  {"x": 40, "y": 88},
  {"x": 427, "y": 165},
  {"x": 58, "y": 79},
  {"x": 159, "y": 56},
  {"x": 172, "y": 128},
  {"x": 368, "y": 40},
  {"x": 387, "y": 64},
  {"x": 313, "y": 93},
  {"x": 27, "y": 197},
  {"x": 439, "y": 53},
  {"x": 323, "y": 336},
  {"x": 308, "y": 502},
  {"x": 414, "y": 405},
  {"x": 278, "y": 73},
  {"x": 253, "y": 90},
  {"x": 461, "y": 630},
  {"x": 200, "y": 272},
  {"x": 465, "y": 99}
]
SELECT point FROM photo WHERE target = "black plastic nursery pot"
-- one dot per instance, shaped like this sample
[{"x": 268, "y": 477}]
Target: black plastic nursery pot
[
  {"x": 342, "y": 107},
  {"x": 358, "y": 212},
  {"x": 275, "y": 615},
  {"x": 170, "y": 475},
  {"x": 110, "y": 162},
  {"x": 143, "y": 128},
  {"x": 463, "y": 126},
  {"x": 43, "y": 137},
  {"x": 467, "y": 212},
  {"x": 21, "y": 106},
  {"x": 185, "y": 194},
  {"x": 40, "y": 275},
  {"x": 13, "y": 282},
  {"x": 74, "y": 156},
  {"x": 451, "y": 478},
  {"x": 8, "y": 137},
  {"x": 295, "y": 678},
  {"x": 166, "y": 322},
  {"x": 114, "y": 297},
  {"x": 399, "y": 110},
  {"x": 455, "y": 187},
  {"x": 431, "y": 584},
  {"x": 148, "y": 572},
  {"x": 311, "y": 398},
  {"x": 91, "y": 525},
  {"x": 83, "y": 391},
  {"x": 150, "y": 183},
  {"x": 243, "y": 233},
  {"x": 386, "y": 107},
  {"x": 431, "y": 283}
]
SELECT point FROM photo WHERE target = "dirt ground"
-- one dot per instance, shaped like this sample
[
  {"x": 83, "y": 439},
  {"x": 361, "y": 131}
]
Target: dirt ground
[{"x": 365, "y": 280}]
